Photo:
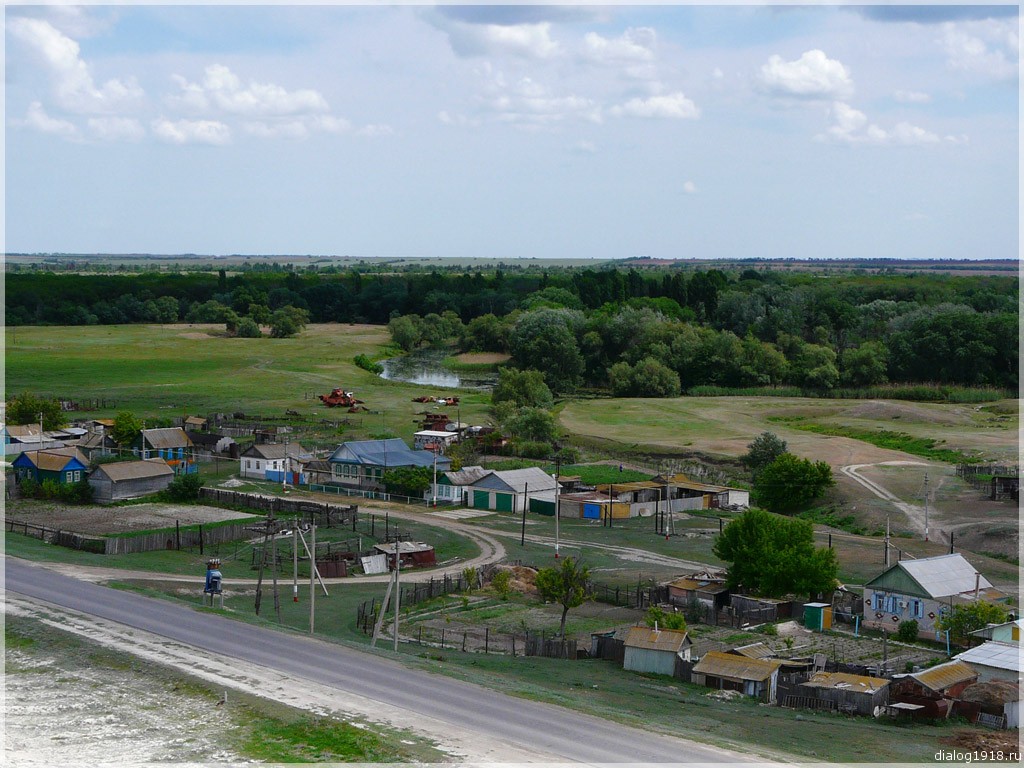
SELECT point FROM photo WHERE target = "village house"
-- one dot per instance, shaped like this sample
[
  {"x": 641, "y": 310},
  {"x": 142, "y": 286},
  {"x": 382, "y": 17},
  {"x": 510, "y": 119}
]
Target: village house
[
  {"x": 729, "y": 672},
  {"x": 433, "y": 440},
  {"x": 1007, "y": 632},
  {"x": 507, "y": 491},
  {"x": 452, "y": 486},
  {"x": 591, "y": 505},
  {"x": 923, "y": 590},
  {"x": 361, "y": 464},
  {"x": 852, "y": 694},
  {"x": 129, "y": 479},
  {"x": 704, "y": 588},
  {"x": 213, "y": 443},
  {"x": 994, "y": 661},
  {"x": 61, "y": 465},
  {"x": 656, "y": 651},
  {"x": 170, "y": 444},
  {"x": 277, "y": 462},
  {"x": 95, "y": 444}
]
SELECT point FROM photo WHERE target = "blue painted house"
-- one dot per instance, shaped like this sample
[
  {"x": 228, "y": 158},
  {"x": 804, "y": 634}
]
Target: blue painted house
[
  {"x": 362, "y": 463},
  {"x": 170, "y": 444},
  {"x": 62, "y": 465}
]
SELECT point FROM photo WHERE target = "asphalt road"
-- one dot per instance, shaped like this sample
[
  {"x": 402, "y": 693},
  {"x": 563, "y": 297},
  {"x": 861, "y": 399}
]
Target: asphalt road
[{"x": 560, "y": 733}]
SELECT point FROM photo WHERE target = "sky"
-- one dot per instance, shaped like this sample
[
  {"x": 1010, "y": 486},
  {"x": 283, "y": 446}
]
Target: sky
[{"x": 515, "y": 131}]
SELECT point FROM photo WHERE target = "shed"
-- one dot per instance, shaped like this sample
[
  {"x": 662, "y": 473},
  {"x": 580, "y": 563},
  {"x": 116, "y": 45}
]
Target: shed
[
  {"x": 609, "y": 644},
  {"x": 507, "y": 491},
  {"x": 129, "y": 479},
  {"x": 1007, "y": 632},
  {"x": 433, "y": 440},
  {"x": 754, "y": 651},
  {"x": 994, "y": 661},
  {"x": 708, "y": 589},
  {"x": 818, "y": 616},
  {"x": 591, "y": 505},
  {"x": 934, "y": 689},
  {"x": 856, "y": 694},
  {"x": 729, "y": 672},
  {"x": 413, "y": 553},
  {"x": 656, "y": 651}
]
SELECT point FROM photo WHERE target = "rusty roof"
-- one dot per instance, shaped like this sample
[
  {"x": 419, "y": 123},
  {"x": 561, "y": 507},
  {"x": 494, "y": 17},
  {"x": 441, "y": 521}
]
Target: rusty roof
[
  {"x": 944, "y": 676},
  {"x": 648, "y": 638},
  {"x": 844, "y": 681},
  {"x": 735, "y": 667}
]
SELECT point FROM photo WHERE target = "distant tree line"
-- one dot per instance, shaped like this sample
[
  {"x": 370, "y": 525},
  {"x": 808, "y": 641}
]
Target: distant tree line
[{"x": 650, "y": 332}]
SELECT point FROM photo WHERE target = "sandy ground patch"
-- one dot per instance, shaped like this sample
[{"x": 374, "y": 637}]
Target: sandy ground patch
[{"x": 482, "y": 358}]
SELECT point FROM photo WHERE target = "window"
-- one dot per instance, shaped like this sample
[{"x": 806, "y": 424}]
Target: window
[
  {"x": 69, "y": 476},
  {"x": 916, "y": 607},
  {"x": 248, "y": 464},
  {"x": 78, "y": 475}
]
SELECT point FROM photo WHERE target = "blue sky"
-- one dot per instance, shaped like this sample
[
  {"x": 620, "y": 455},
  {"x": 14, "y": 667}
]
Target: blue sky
[{"x": 607, "y": 131}]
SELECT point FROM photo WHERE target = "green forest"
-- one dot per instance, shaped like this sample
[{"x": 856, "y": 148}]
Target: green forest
[{"x": 637, "y": 331}]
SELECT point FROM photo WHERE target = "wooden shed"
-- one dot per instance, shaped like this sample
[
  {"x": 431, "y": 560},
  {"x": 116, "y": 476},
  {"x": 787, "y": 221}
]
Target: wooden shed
[
  {"x": 129, "y": 479},
  {"x": 853, "y": 694},
  {"x": 656, "y": 651},
  {"x": 413, "y": 553},
  {"x": 934, "y": 689},
  {"x": 729, "y": 672}
]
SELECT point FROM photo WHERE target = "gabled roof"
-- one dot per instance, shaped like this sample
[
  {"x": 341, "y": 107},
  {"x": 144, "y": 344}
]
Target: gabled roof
[
  {"x": 53, "y": 460},
  {"x": 932, "y": 577},
  {"x": 994, "y": 654},
  {"x": 392, "y": 452},
  {"x": 734, "y": 667},
  {"x": 318, "y": 465},
  {"x": 944, "y": 676},
  {"x": 134, "y": 470},
  {"x": 647, "y": 638},
  {"x": 97, "y": 440},
  {"x": 166, "y": 437},
  {"x": 517, "y": 480},
  {"x": 204, "y": 438},
  {"x": 467, "y": 475},
  {"x": 842, "y": 680},
  {"x": 275, "y": 451},
  {"x": 22, "y": 430}
]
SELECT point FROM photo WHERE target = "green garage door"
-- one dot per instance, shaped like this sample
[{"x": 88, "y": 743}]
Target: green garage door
[
  {"x": 503, "y": 502},
  {"x": 481, "y": 499}
]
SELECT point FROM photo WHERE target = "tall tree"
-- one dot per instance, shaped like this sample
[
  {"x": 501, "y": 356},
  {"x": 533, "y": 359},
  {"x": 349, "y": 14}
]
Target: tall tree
[
  {"x": 790, "y": 484},
  {"x": 764, "y": 449},
  {"x": 126, "y": 428},
  {"x": 964, "y": 619},
  {"x": 566, "y": 585},
  {"x": 26, "y": 408},
  {"x": 775, "y": 556}
]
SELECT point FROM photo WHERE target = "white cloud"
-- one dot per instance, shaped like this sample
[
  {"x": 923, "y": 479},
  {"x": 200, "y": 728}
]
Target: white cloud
[
  {"x": 851, "y": 126},
  {"x": 990, "y": 48},
  {"x": 813, "y": 75},
  {"x": 674, "y": 106},
  {"x": 531, "y": 41},
  {"x": 284, "y": 129},
  {"x": 528, "y": 102},
  {"x": 912, "y": 97},
  {"x": 116, "y": 128},
  {"x": 689, "y": 188},
  {"x": 223, "y": 90},
  {"x": 37, "y": 119},
  {"x": 74, "y": 87},
  {"x": 192, "y": 131},
  {"x": 634, "y": 45}
]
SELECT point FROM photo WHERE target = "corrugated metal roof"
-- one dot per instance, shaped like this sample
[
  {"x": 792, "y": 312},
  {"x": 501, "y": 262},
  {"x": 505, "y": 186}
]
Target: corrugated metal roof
[
  {"x": 651, "y": 639},
  {"x": 56, "y": 459},
  {"x": 23, "y": 430},
  {"x": 735, "y": 667},
  {"x": 939, "y": 576},
  {"x": 639, "y": 485},
  {"x": 518, "y": 479},
  {"x": 166, "y": 437},
  {"x": 945, "y": 676},
  {"x": 754, "y": 651},
  {"x": 846, "y": 681},
  {"x": 688, "y": 582},
  {"x": 994, "y": 654},
  {"x": 467, "y": 475},
  {"x": 135, "y": 470},
  {"x": 277, "y": 451},
  {"x": 392, "y": 452}
]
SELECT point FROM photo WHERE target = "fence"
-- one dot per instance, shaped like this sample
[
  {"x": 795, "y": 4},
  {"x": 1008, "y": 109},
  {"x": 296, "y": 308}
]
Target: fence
[
  {"x": 1000, "y": 480},
  {"x": 120, "y": 545},
  {"x": 629, "y": 597},
  {"x": 410, "y": 595},
  {"x": 322, "y": 513},
  {"x": 379, "y": 495}
]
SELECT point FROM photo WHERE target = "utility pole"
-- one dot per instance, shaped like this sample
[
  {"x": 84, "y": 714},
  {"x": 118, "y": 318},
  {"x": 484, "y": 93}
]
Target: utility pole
[
  {"x": 295, "y": 561},
  {"x": 398, "y": 585},
  {"x": 312, "y": 571},
  {"x": 558, "y": 471},
  {"x": 522, "y": 536},
  {"x": 926, "y": 506},
  {"x": 886, "y": 541}
]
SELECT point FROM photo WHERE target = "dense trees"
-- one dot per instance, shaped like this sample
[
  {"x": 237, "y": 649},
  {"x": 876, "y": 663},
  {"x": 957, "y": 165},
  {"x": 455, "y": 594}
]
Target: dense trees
[
  {"x": 775, "y": 556},
  {"x": 746, "y": 328},
  {"x": 964, "y": 619},
  {"x": 790, "y": 484},
  {"x": 27, "y": 408}
]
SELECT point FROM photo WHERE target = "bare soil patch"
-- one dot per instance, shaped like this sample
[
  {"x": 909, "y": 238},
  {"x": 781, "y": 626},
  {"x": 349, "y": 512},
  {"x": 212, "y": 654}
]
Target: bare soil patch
[
  {"x": 104, "y": 520},
  {"x": 482, "y": 358},
  {"x": 881, "y": 409}
]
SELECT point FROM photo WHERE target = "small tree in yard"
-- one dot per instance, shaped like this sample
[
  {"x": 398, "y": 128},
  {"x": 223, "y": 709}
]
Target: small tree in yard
[
  {"x": 126, "y": 428},
  {"x": 907, "y": 632},
  {"x": 26, "y": 407},
  {"x": 184, "y": 488},
  {"x": 964, "y": 619},
  {"x": 566, "y": 585},
  {"x": 662, "y": 619}
]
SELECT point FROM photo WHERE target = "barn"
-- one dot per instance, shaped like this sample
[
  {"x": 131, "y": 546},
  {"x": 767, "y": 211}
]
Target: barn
[{"x": 129, "y": 479}]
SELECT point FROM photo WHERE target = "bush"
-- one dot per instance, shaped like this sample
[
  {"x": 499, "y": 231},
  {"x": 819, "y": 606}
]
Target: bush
[
  {"x": 367, "y": 364},
  {"x": 533, "y": 449},
  {"x": 907, "y": 632},
  {"x": 656, "y": 615},
  {"x": 184, "y": 488},
  {"x": 502, "y": 583},
  {"x": 248, "y": 329}
]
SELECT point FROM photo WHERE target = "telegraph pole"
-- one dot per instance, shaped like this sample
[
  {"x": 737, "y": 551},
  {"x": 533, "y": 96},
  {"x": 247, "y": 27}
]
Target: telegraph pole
[
  {"x": 558, "y": 471},
  {"x": 926, "y": 506},
  {"x": 398, "y": 587}
]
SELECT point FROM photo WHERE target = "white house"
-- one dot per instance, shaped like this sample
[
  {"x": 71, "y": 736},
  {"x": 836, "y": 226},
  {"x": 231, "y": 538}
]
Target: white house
[
  {"x": 994, "y": 661},
  {"x": 278, "y": 462}
]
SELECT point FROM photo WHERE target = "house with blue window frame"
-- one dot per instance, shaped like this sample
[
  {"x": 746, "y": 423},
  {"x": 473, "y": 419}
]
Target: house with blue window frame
[
  {"x": 923, "y": 590},
  {"x": 171, "y": 444},
  {"x": 62, "y": 465},
  {"x": 362, "y": 463}
]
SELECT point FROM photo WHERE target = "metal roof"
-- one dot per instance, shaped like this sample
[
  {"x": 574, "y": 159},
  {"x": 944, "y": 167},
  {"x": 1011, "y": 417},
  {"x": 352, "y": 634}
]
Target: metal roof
[
  {"x": 467, "y": 475},
  {"x": 940, "y": 576},
  {"x": 754, "y": 651},
  {"x": 404, "y": 547},
  {"x": 392, "y": 452},
  {"x": 516, "y": 480},
  {"x": 53, "y": 460},
  {"x": 994, "y": 654},
  {"x": 277, "y": 451},
  {"x": 844, "y": 681},
  {"x": 166, "y": 437},
  {"x": 135, "y": 470},
  {"x": 735, "y": 667},
  {"x": 650, "y": 639},
  {"x": 945, "y": 676}
]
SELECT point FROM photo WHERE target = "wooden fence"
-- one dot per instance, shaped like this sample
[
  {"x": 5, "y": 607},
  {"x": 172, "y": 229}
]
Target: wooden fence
[
  {"x": 120, "y": 545},
  {"x": 321, "y": 513}
]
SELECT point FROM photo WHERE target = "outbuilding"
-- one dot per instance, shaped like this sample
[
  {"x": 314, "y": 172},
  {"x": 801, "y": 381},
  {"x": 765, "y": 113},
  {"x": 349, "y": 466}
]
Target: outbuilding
[
  {"x": 994, "y": 661},
  {"x": 729, "y": 672},
  {"x": 657, "y": 651},
  {"x": 507, "y": 491},
  {"x": 853, "y": 694},
  {"x": 129, "y": 479}
]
